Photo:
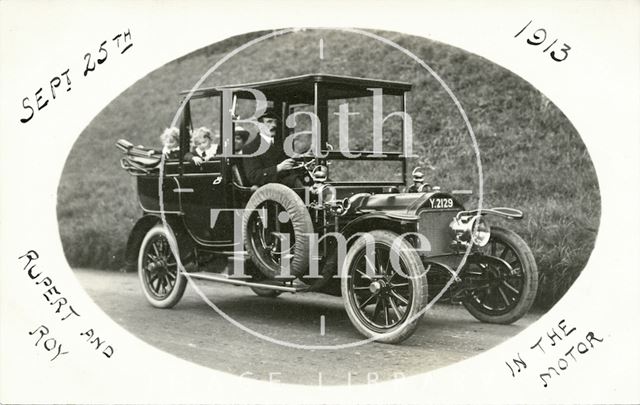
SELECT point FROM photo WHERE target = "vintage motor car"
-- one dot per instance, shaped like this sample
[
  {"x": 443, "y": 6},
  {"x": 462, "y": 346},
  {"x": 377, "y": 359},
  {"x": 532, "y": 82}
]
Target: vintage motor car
[{"x": 381, "y": 241}]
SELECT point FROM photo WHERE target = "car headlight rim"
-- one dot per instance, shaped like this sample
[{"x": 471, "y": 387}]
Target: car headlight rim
[
  {"x": 480, "y": 231},
  {"x": 471, "y": 230},
  {"x": 327, "y": 194}
]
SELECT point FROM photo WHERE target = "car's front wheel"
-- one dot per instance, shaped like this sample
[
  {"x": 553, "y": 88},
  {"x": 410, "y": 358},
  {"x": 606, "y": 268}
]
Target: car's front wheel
[
  {"x": 501, "y": 279},
  {"x": 161, "y": 281},
  {"x": 383, "y": 297}
]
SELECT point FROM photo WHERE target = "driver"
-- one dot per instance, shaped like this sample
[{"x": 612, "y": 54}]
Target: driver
[{"x": 272, "y": 166}]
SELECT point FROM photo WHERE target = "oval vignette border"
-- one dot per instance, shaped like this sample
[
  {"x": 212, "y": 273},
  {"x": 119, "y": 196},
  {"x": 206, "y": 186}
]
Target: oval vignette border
[{"x": 358, "y": 343}]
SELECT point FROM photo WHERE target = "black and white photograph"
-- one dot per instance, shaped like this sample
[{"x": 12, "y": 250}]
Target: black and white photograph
[{"x": 319, "y": 203}]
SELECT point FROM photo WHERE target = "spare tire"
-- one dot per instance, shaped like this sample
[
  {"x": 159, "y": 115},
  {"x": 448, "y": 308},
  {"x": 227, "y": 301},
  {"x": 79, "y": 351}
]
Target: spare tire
[{"x": 285, "y": 214}]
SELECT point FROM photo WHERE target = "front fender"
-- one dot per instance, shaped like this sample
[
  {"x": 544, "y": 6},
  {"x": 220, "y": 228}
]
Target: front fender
[
  {"x": 395, "y": 222},
  {"x": 503, "y": 212}
]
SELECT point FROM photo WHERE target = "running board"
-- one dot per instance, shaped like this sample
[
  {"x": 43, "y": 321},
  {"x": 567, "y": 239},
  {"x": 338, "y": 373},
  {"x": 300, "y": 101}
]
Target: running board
[{"x": 223, "y": 278}]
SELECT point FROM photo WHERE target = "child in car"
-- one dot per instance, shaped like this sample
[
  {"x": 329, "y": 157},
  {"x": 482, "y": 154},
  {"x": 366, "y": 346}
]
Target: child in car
[
  {"x": 170, "y": 138},
  {"x": 240, "y": 137},
  {"x": 204, "y": 146}
]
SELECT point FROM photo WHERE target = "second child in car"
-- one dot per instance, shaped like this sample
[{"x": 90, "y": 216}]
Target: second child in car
[
  {"x": 204, "y": 147},
  {"x": 170, "y": 143}
]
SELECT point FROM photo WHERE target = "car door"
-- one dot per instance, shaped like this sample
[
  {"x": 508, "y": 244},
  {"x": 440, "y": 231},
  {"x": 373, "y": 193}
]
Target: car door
[
  {"x": 204, "y": 203},
  {"x": 148, "y": 190}
]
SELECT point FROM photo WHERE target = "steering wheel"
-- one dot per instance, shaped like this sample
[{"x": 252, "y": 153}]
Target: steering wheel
[
  {"x": 308, "y": 166},
  {"x": 305, "y": 170},
  {"x": 311, "y": 164}
]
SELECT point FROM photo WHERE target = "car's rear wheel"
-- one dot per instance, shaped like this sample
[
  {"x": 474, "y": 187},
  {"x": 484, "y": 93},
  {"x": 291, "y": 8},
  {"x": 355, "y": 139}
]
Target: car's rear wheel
[
  {"x": 501, "y": 279},
  {"x": 161, "y": 281},
  {"x": 382, "y": 300},
  {"x": 277, "y": 226}
]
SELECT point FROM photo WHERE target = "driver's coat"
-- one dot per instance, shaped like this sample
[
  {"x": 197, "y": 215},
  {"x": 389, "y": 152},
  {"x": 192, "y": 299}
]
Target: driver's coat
[{"x": 261, "y": 169}]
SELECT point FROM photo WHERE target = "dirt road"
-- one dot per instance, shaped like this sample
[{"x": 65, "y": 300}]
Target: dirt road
[{"x": 194, "y": 331}]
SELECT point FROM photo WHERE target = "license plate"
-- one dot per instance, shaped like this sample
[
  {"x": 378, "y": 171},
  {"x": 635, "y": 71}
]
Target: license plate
[{"x": 440, "y": 203}]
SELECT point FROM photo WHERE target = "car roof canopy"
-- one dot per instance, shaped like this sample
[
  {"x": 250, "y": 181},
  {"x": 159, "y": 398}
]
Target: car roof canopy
[{"x": 301, "y": 89}]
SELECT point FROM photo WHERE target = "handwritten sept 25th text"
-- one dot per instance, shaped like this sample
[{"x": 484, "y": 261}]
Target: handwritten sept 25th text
[{"x": 61, "y": 83}]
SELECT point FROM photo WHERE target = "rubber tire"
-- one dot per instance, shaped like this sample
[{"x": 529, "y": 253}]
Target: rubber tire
[
  {"x": 530, "y": 270},
  {"x": 265, "y": 292},
  {"x": 300, "y": 220},
  {"x": 416, "y": 271},
  {"x": 181, "y": 281}
]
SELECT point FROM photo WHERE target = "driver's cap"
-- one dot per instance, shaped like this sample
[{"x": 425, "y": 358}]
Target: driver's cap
[{"x": 269, "y": 113}]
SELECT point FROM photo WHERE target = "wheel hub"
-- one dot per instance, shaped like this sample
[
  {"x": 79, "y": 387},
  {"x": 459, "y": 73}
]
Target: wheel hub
[
  {"x": 376, "y": 286},
  {"x": 381, "y": 287}
]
